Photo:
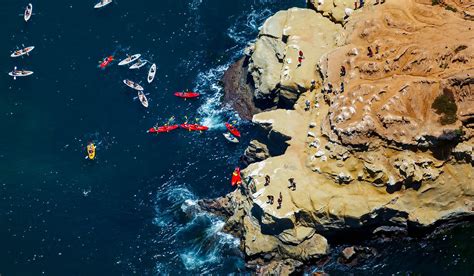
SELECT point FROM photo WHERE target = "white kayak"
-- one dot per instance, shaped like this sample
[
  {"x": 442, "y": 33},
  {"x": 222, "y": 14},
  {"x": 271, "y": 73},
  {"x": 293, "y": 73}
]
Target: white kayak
[
  {"x": 130, "y": 59},
  {"x": 142, "y": 98},
  {"x": 151, "y": 73},
  {"x": 139, "y": 64},
  {"x": 19, "y": 73},
  {"x": 28, "y": 12},
  {"x": 21, "y": 52},
  {"x": 102, "y": 3},
  {"x": 133, "y": 85},
  {"x": 230, "y": 138}
]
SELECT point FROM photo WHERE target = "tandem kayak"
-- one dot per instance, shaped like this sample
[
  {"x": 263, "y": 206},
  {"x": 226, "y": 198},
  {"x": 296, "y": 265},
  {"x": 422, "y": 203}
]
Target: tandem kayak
[
  {"x": 162, "y": 129},
  {"x": 129, "y": 59},
  {"x": 91, "y": 151},
  {"x": 142, "y": 98},
  {"x": 236, "y": 177},
  {"x": 28, "y": 12},
  {"x": 186, "y": 95},
  {"x": 139, "y": 64},
  {"x": 19, "y": 73},
  {"x": 151, "y": 73},
  {"x": 133, "y": 85},
  {"x": 232, "y": 129},
  {"x": 102, "y": 3},
  {"x": 194, "y": 127},
  {"x": 21, "y": 52},
  {"x": 106, "y": 61},
  {"x": 231, "y": 138}
]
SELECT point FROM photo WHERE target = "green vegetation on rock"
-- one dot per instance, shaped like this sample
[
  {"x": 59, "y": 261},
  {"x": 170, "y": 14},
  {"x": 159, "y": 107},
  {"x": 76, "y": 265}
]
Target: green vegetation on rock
[{"x": 444, "y": 104}]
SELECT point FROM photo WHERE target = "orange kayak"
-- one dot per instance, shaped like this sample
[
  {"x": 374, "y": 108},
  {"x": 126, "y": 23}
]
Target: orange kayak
[{"x": 236, "y": 177}]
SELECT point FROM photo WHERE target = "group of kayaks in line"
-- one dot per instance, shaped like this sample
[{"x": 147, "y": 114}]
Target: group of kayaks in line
[
  {"x": 25, "y": 51},
  {"x": 231, "y": 136}
]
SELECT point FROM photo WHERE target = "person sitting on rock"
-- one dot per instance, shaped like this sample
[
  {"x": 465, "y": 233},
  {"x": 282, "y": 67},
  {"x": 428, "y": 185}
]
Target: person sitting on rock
[
  {"x": 270, "y": 199},
  {"x": 343, "y": 71},
  {"x": 280, "y": 201},
  {"x": 267, "y": 180},
  {"x": 292, "y": 184},
  {"x": 300, "y": 60},
  {"x": 307, "y": 105},
  {"x": 329, "y": 88}
]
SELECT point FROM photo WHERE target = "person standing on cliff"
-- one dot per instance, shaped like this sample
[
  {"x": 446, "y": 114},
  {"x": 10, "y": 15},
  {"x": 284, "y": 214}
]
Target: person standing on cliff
[
  {"x": 280, "y": 201},
  {"x": 300, "y": 57},
  {"x": 270, "y": 199},
  {"x": 369, "y": 52},
  {"x": 267, "y": 180}
]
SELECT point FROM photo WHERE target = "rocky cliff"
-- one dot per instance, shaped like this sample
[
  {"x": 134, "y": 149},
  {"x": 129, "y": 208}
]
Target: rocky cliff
[{"x": 379, "y": 107}]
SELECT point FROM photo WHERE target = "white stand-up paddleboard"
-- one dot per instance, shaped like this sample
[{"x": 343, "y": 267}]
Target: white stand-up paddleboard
[
  {"x": 151, "y": 73},
  {"x": 21, "y": 52},
  {"x": 230, "y": 138},
  {"x": 142, "y": 98},
  {"x": 139, "y": 64},
  {"x": 19, "y": 73},
  {"x": 133, "y": 85},
  {"x": 102, "y": 3},
  {"x": 28, "y": 12},
  {"x": 129, "y": 59}
]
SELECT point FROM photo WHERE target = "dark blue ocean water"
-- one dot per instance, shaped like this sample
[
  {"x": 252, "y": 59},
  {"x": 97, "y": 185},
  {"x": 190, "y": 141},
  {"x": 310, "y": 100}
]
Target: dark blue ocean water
[{"x": 128, "y": 212}]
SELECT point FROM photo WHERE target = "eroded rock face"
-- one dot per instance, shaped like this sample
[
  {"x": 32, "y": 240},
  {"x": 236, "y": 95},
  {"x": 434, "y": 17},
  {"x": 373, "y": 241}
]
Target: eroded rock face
[
  {"x": 278, "y": 76},
  {"x": 238, "y": 90},
  {"x": 378, "y": 154},
  {"x": 255, "y": 152},
  {"x": 337, "y": 10},
  {"x": 389, "y": 95}
]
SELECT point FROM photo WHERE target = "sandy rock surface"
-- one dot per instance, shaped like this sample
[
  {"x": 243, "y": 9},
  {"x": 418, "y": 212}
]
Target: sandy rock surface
[{"x": 390, "y": 148}]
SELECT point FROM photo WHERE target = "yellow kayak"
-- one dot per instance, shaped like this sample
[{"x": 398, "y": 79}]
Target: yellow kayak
[{"x": 91, "y": 151}]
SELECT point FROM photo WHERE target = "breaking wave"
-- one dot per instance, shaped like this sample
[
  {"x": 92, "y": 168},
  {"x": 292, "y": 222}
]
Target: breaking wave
[{"x": 196, "y": 236}]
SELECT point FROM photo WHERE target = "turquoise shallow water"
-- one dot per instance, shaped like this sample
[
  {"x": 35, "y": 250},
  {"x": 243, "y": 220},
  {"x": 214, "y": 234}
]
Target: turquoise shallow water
[{"x": 130, "y": 211}]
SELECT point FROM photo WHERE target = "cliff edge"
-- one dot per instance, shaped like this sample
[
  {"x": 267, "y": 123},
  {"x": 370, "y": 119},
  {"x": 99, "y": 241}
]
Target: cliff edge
[{"x": 378, "y": 104}]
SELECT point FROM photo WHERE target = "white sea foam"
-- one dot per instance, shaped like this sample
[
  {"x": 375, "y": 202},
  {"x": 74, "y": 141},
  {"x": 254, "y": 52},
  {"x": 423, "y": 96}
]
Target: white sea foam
[
  {"x": 246, "y": 26},
  {"x": 211, "y": 111}
]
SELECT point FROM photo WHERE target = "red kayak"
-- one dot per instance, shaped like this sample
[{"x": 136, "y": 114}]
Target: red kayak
[
  {"x": 194, "y": 127},
  {"x": 236, "y": 177},
  {"x": 106, "y": 62},
  {"x": 162, "y": 129},
  {"x": 232, "y": 129},
  {"x": 186, "y": 95}
]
